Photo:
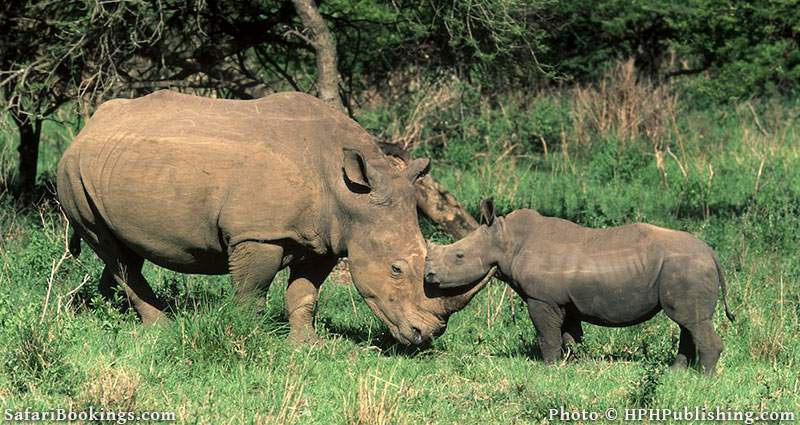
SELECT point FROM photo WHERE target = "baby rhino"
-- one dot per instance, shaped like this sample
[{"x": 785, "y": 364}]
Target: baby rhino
[{"x": 568, "y": 274}]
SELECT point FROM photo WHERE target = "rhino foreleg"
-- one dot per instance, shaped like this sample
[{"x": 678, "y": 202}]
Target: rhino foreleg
[
  {"x": 301, "y": 297},
  {"x": 547, "y": 319},
  {"x": 253, "y": 265}
]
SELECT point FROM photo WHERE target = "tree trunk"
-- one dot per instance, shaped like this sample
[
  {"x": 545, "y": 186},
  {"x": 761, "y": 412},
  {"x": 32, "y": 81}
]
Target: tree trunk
[
  {"x": 432, "y": 199},
  {"x": 443, "y": 208},
  {"x": 30, "y": 131},
  {"x": 321, "y": 38}
]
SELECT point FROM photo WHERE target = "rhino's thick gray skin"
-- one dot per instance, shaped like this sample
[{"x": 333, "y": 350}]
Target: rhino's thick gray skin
[
  {"x": 213, "y": 186},
  {"x": 568, "y": 274}
]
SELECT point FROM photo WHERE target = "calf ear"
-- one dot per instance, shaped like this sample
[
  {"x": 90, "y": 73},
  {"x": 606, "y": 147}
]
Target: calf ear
[
  {"x": 356, "y": 171},
  {"x": 418, "y": 168},
  {"x": 487, "y": 211}
]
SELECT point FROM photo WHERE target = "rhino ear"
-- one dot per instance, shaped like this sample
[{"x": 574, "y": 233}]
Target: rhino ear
[
  {"x": 418, "y": 168},
  {"x": 487, "y": 211},
  {"x": 356, "y": 171}
]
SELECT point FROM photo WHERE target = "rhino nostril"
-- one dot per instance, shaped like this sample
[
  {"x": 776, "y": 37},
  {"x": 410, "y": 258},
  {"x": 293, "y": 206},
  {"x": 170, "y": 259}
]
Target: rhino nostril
[
  {"x": 430, "y": 276},
  {"x": 417, "y": 336}
]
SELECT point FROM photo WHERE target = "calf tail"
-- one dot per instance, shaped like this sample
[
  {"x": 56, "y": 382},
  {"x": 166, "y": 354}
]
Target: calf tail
[
  {"x": 74, "y": 244},
  {"x": 721, "y": 275}
]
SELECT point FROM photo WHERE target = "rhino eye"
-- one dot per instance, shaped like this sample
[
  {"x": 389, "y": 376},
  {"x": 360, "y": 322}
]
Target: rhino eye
[
  {"x": 460, "y": 254},
  {"x": 396, "y": 269}
]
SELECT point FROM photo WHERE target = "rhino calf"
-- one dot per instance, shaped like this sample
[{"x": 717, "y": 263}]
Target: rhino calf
[{"x": 568, "y": 274}]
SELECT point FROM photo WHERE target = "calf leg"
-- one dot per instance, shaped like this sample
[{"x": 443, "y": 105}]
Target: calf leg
[
  {"x": 301, "y": 297},
  {"x": 686, "y": 350},
  {"x": 253, "y": 265},
  {"x": 547, "y": 319},
  {"x": 708, "y": 343}
]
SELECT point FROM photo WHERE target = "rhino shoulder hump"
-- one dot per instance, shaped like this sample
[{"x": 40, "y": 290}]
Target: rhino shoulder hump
[{"x": 109, "y": 107}]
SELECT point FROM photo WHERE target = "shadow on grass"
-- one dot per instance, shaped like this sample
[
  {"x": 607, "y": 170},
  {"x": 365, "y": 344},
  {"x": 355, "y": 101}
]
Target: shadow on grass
[
  {"x": 579, "y": 352},
  {"x": 363, "y": 336}
]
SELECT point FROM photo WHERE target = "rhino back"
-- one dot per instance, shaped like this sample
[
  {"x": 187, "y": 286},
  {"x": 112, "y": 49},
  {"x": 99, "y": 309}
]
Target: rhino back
[
  {"x": 177, "y": 177},
  {"x": 611, "y": 276}
]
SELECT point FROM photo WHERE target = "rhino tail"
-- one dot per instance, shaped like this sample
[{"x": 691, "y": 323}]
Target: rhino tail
[
  {"x": 722, "y": 285},
  {"x": 74, "y": 245}
]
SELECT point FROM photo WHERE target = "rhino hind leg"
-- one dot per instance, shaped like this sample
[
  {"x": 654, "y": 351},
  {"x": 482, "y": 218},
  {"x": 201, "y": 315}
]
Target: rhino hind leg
[
  {"x": 547, "y": 319},
  {"x": 108, "y": 284},
  {"x": 301, "y": 297},
  {"x": 688, "y": 295},
  {"x": 686, "y": 351},
  {"x": 253, "y": 265},
  {"x": 109, "y": 289},
  {"x": 127, "y": 273},
  {"x": 708, "y": 343},
  {"x": 123, "y": 268}
]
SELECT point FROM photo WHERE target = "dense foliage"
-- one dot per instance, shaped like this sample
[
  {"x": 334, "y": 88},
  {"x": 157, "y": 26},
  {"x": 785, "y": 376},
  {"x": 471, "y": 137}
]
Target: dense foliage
[{"x": 60, "y": 53}]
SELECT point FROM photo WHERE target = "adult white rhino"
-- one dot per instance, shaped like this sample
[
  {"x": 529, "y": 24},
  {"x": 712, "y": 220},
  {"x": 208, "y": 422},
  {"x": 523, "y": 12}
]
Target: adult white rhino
[{"x": 212, "y": 186}]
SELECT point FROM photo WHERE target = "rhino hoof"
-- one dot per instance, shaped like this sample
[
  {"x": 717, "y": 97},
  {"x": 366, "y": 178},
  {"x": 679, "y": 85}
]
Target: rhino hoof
[{"x": 304, "y": 338}]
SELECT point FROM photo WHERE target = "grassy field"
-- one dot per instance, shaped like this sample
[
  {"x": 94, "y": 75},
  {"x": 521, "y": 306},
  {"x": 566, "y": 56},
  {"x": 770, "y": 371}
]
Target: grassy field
[{"x": 730, "y": 175}]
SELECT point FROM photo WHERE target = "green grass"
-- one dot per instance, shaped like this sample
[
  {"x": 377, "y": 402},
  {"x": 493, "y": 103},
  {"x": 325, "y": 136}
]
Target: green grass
[{"x": 215, "y": 363}]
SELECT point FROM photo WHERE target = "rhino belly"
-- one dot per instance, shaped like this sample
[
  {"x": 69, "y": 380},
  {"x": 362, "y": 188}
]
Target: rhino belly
[
  {"x": 177, "y": 242},
  {"x": 615, "y": 288},
  {"x": 619, "y": 302},
  {"x": 165, "y": 207}
]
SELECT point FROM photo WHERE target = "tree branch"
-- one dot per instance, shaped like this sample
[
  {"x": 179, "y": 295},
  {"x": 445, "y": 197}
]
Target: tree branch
[{"x": 328, "y": 78}]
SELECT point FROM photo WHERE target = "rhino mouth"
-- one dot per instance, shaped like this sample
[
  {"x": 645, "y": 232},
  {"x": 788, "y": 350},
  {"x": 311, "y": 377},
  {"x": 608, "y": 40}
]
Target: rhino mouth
[{"x": 410, "y": 336}]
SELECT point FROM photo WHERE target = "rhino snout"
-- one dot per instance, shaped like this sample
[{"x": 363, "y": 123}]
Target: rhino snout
[{"x": 431, "y": 277}]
